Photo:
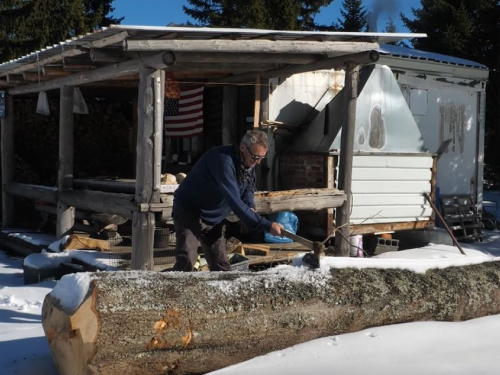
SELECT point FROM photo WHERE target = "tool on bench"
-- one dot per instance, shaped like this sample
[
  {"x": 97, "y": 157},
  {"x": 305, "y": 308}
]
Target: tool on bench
[{"x": 318, "y": 248}]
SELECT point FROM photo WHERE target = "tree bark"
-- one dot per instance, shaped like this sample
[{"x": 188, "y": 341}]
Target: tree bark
[{"x": 176, "y": 323}]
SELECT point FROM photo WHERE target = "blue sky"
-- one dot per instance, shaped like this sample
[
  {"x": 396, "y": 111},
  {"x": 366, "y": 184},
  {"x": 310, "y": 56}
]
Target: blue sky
[{"x": 162, "y": 12}]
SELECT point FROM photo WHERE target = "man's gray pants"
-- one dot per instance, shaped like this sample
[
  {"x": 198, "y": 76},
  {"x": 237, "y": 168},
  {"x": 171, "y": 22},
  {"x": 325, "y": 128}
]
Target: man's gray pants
[{"x": 189, "y": 229}]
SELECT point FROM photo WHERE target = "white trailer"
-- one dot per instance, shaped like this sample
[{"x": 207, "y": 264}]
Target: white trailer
[{"x": 426, "y": 101}]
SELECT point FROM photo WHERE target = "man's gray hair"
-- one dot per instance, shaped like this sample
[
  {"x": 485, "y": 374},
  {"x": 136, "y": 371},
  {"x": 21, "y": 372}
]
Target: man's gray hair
[{"x": 255, "y": 136}]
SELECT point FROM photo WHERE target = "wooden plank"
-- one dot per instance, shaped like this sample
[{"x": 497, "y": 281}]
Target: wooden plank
[
  {"x": 307, "y": 202},
  {"x": 343, "y": 213},
  {"x": 8, "y": 161},
  {"x": 65, "y": 213},
  {"x": 391, "y": 226}
]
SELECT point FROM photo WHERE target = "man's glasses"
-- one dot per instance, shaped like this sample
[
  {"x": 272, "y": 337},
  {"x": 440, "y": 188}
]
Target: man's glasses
[{"x": 255, "y": 157}]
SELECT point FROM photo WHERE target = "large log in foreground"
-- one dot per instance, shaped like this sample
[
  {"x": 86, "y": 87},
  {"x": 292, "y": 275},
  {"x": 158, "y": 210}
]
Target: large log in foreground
[{"x": 162, "y": 323}]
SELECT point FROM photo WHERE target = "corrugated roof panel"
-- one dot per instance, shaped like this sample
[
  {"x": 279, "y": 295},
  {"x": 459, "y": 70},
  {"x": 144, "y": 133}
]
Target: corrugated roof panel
[{"x": 410, "y": 53}]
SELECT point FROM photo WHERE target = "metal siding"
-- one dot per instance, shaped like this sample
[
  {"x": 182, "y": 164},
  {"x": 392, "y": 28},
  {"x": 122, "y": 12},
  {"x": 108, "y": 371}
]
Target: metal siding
[{"x": 389, "y": 188}]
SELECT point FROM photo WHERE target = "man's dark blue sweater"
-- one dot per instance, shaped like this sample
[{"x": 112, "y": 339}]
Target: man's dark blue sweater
[{"x": 213, "y": 189}]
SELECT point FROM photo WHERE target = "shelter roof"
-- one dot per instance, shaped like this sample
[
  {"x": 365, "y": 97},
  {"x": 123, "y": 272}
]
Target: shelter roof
[{"x": 196, "y": 52}]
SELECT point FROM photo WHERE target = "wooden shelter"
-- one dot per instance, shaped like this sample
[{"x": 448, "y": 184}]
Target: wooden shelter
[{"x": 141, "y": 56}]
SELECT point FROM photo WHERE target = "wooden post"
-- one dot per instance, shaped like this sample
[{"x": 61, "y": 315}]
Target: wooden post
[
  {"x": 8, "y": 162},
  {"x": 329, "y": 176},
  {"x": 133, "y": 141},
  {"x": 343, "y": 214},
  {"x": 147, "y": 184},
  {"x": 229, "y": 114},
  {"x": 256, "y": 108},
  {"x": 65, "y": 213}
]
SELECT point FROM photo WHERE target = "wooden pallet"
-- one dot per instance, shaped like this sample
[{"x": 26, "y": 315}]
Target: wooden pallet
[{"x": 461, "y": 215}]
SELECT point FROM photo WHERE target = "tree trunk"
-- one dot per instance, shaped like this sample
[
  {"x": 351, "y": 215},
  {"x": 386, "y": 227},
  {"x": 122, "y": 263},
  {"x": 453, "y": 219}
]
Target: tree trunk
[{"x": 159, "y": 323}]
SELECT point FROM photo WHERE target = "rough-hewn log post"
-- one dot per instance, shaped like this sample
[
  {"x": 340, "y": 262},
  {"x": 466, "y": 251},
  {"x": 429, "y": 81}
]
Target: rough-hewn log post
[
  {"x": 65, "y": 213},
  {"x": 148, "y": 169},
  {"x": 175, "y": 323},
  {"x": 343, "y": 214},
  {"x": 8, "y": 162}
]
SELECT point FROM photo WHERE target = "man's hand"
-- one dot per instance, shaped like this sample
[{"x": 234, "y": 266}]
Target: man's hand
[{"x": 276, "y": 229}]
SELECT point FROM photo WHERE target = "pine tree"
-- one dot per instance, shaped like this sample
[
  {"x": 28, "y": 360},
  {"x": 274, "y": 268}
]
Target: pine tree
[
  {"x": 28, "y": 25},
  {"x": 354, "y": 16},
  {"x": 256, "y": 14},
  {"x": 390, "y": 26}
]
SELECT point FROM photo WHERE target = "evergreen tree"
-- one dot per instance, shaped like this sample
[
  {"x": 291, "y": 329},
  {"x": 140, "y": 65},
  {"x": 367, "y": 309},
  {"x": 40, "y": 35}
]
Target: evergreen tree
[
  {"x": 28, "y": 25},
  {"x": 256, "y": 14},
  {"x": 469, "y": 29},
  {"x": 390, "y": 27},
  {"x": 354, "y": 16}
]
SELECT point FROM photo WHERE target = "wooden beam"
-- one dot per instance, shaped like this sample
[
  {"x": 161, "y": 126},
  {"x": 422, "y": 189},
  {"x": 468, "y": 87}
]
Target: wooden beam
[
  {"x": 159, "y": 61},
  {"x": 65, "y": 213},
  {"x": 100, "y": 202},
  {"x": 8, "y": 161},
  {"x": 114, "y": 56},
  {"x": 33, "y": 192},
  {"x": 146, "y": 188},
  {"x": 112, "y": 39},
  {"x": 343, "y": 214},
  {"x": 96, "y": 201},
  {"x": 221, "y": 67},
  {"x": 248, "y": 46},
  {"x": 298, "y": 200},
  {"x": 367, "y": 57},
  {"x": 246, "y": 58}
]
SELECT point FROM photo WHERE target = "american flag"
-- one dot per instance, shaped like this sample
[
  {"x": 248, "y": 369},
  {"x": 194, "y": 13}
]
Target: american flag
[{"x": 184, "y": 116}]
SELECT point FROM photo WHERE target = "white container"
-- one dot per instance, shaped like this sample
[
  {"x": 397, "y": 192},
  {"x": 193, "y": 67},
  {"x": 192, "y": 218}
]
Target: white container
[{"x": 356, "y": 244}]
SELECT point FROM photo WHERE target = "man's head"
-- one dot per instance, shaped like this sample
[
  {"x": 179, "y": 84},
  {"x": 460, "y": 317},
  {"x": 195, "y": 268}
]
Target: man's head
[{"x": 253, "y": 147}]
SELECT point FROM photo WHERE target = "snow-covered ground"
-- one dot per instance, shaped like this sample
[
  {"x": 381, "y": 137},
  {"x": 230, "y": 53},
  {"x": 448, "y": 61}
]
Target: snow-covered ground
[{"x": 471, "y": 347}]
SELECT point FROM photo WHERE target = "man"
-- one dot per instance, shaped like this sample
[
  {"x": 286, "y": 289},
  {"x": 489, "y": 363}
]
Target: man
[{"x": 223, "y": 180}]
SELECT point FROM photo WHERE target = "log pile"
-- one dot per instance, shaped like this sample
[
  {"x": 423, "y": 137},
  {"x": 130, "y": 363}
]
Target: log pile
[{"x": 173, "y": 323}]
